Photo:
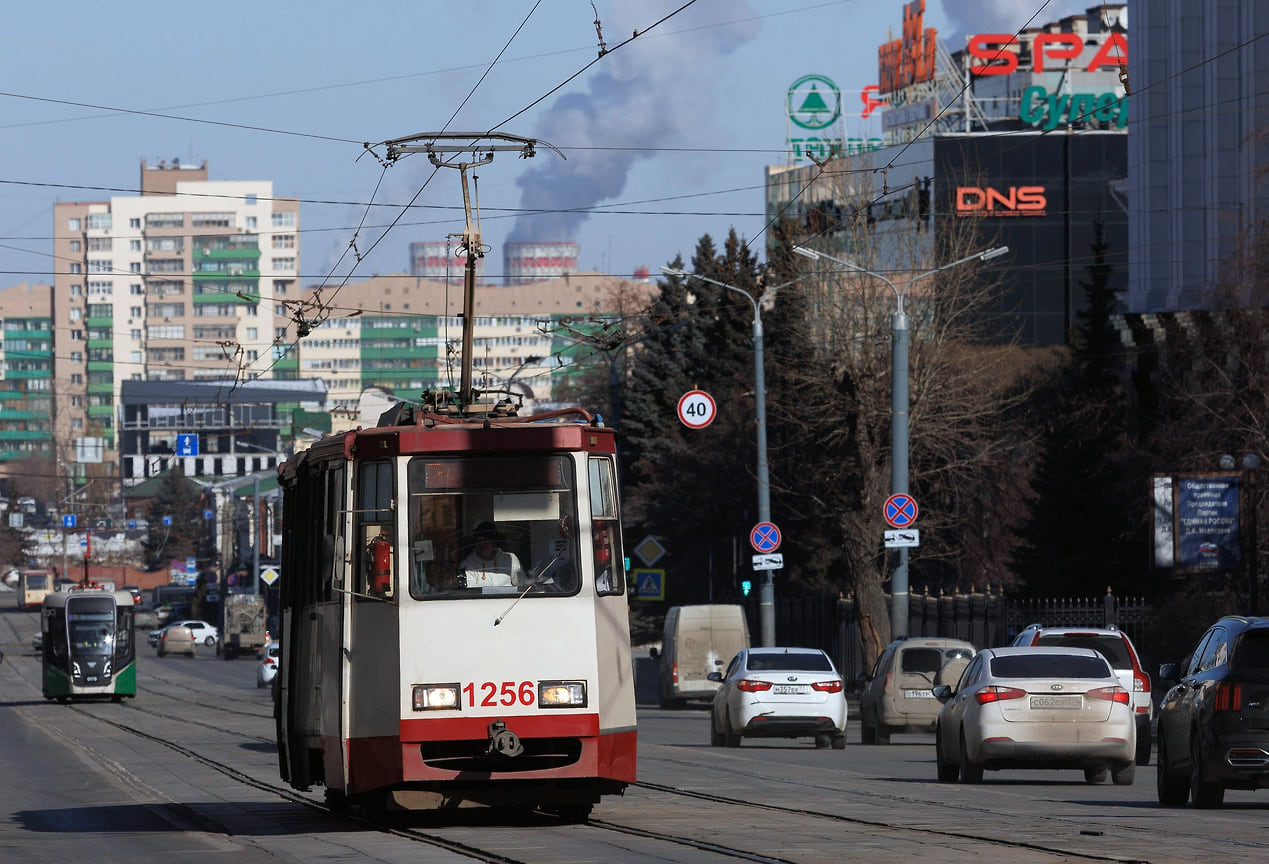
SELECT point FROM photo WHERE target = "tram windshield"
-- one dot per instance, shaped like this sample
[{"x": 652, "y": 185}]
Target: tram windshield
[
  {"x": 91, "y": 625},
  {"x": 492, "y": 525}
]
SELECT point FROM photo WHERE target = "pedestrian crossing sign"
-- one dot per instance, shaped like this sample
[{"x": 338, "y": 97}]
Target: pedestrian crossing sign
[{"x": 648, "y": 584}]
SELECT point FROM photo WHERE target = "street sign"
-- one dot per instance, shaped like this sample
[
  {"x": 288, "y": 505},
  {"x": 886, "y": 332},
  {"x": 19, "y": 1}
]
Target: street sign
[
  {"x": 186, "y": 445},
  {"x": 768, "y": 562},
  {"x": 765, "y": 537},
  {"x": 903, "y": 537},
  {"x": 650, "y": 550},
  {"x": 696, "y": 409},
  {"x": 68, "y": 520},
  {"x": 132, "y": 524},
  {"x": 167, "y": 520},
  {"x": 649, "y": 584},
  {"x": 901, "y": 510},
  {"x": 268, "y": 575},
  {"x": 191, "y": 565}
]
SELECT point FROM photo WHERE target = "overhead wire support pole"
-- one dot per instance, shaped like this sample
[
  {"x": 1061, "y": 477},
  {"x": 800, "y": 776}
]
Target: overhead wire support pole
[{"x": 482, "y": 146}]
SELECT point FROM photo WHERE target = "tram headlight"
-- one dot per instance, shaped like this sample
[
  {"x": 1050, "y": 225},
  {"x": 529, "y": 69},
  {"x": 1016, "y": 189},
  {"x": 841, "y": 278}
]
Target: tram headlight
[
  {"x": 436, "y": 697},
  {"x": 562, "y": 694}
]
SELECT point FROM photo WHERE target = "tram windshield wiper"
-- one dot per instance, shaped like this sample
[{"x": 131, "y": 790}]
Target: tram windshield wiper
[{"x": 527, "y": 588}]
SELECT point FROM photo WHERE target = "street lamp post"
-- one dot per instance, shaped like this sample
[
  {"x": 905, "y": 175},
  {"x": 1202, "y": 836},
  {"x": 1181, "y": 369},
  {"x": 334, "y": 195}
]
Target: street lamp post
[
  {"x": 899, "y": 409},
  {"x": 766, "y": 595}
]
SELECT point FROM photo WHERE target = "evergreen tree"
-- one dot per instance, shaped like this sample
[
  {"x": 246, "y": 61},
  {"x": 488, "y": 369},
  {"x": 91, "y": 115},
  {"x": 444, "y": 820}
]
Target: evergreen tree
[{"x": 186, "y": 536}]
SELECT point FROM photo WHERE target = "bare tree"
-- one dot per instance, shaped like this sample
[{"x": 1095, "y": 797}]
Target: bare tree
[{"x": 966, "y": 384}]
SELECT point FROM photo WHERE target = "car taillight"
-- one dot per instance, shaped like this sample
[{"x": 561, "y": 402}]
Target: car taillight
[
  {"x": 1110, "y": 694},
  {"x": 751, "y": 686},
  {"x": 998, "y": 694},
  {"x": 1228, "y": 697},
  {"x": 1140, "y": 683},
  {"x": 674, "y": 672},
  {"x": 827, "y": 686}
]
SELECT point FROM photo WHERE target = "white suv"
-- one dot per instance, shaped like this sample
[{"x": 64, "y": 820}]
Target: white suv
[{"x": 1117, "y": 648}]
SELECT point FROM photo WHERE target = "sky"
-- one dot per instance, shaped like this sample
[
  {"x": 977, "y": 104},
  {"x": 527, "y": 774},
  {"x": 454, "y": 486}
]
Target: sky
[{"x": 666, "y": 136}]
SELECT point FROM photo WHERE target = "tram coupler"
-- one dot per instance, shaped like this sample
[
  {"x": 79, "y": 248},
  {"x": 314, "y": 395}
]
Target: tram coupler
[{"x": 503, "y": 742}]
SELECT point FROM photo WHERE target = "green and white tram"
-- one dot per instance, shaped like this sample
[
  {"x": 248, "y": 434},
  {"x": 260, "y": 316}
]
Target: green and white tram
[{"x": 89, "y": 644}]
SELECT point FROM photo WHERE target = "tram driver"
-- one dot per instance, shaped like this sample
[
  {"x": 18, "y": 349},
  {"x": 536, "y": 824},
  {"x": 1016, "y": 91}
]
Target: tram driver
[{"x": 488, "y": 565}]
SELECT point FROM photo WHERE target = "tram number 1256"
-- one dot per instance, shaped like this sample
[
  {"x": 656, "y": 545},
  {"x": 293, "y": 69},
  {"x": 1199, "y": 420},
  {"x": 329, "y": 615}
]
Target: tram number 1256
[{"x": 509, "y": 694}]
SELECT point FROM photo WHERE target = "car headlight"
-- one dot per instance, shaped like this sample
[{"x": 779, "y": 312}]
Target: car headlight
[
  {"x": 75, "y": 667},
  {"x": 436, "y": 697},
  {"x": 562, "y": 694}
]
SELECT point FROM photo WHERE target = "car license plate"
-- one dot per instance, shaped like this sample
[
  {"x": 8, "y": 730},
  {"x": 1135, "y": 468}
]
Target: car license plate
[
  {"x": 788, "y": 689},
  {"x": 918, "y": 694},
  {"x": 1067, "y": 702}
]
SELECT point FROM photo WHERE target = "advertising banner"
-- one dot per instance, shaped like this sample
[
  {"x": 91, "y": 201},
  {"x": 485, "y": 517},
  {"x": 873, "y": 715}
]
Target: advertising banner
[{"x": 1207, "y": 523}]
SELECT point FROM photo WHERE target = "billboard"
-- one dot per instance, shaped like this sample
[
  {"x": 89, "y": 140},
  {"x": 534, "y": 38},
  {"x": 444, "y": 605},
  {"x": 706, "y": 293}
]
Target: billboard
[{"x": 1196, "y": 522}]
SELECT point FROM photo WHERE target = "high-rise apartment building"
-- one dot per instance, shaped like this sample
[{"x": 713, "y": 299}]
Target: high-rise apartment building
[
  {"x": 184, "y": 281},
  {"x": 26, "y": 371}
]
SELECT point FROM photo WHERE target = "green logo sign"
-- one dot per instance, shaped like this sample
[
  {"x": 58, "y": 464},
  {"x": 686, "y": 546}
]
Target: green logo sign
[
  {"x": 814, "y": 102},
  {"x": 1050, "y": 110}
]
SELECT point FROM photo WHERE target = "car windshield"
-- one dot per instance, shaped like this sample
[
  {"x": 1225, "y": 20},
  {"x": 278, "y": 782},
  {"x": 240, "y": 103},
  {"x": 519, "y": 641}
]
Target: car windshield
[
  {"x": 920, "y": 660},
  {"x": 802, "y": 661},
  {"x": 1036, "y": 664},
  {"x": 1110, "y": 646}
]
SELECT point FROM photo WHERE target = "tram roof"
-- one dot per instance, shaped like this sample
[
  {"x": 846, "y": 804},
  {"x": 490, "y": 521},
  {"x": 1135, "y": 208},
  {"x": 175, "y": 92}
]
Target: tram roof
[{"x": 57, "y": 599}]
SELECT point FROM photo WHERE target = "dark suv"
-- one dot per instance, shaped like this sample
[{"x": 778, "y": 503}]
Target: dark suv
[{"x": 1214, "y": 723}]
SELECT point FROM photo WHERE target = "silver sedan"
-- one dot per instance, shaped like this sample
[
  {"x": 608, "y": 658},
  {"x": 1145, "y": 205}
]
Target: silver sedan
[{"x": 1036, "y": 708}]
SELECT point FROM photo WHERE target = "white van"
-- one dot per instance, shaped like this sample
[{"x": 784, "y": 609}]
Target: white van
[{"x": 698, "y": 640}]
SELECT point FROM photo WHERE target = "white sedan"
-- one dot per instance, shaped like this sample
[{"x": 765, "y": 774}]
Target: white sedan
[
  {"x": 1036, "y": 708},
  {"x": 268, "y": 668},
  {"x": 779, "y": 693},
  {"x": 204, "y": 633}
]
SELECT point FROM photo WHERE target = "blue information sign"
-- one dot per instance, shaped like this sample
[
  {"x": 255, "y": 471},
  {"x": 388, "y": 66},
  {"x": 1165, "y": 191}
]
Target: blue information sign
[
  {"x": 649, "y": 584},
  {"x": 186, "y": 445},
  {"x": 68, "y": 520}
]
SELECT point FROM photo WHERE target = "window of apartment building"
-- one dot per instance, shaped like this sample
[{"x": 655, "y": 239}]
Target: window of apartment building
[
  {"x": 134, "y": 245},
  {"x": 163, "y": 289},
  {"x": 100, "y": 310},
  {"x": 135, "y": 311},
  {"x": 214, "y": 352},
  {"x": 73, "y": 225},
  {"x": 252, "y": 356},
  {"x": 100, "y": 265},
  {"x": 280, "y": 286},
  {"x": 75, "y": 314},
  {"x": 76, "y": 267},
  {"x": 164, "y": 244},
  {"x": 134, "y": 267},
  {"x": 99, "y": 244},
  {"x": 283, "y": 263},
  {"x": 252, "y": 334},
  {"x": 167, "y": 265},
  {"x": 165, "y": 220},
  {"x": 205, "y": 332},
  {"x": 215, "y": 310},
  {"x": 283, "y": 220},
  {"x": 100, "y": 288},
  {"x": 212, "y": 220},
  {"x": 77, "y": 423},
  {"x": 77, "y": 290},
  {"x": 283, "y": 241},
  {"x": 77, "y": 401},
  {"x": 100, "y": 221},
  {"x": 77, "y": 335},
  {"x": 77, "y": 357},
  {"x": 167, "y": 310},
  {"x": 77, "y": 378},
  {"x": 134, "y": 357},
  {"x": 251, "y": 223},
  {"x": 279, "y": 332},
  {"x": 135, "y": 288},
  {"x": 76, "y": 246},
  {"x": 166, "y": 331},
  {"x": 134, "y": 333},
  {"x": 167, "y": 355},
  {"x": 134, "y": 223}
]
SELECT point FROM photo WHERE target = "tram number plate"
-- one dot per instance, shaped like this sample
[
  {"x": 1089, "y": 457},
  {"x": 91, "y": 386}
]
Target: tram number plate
[
  {"x": 788, "y": 689},
  {"x": 90, "y": 679},
  {"x": 506, "y": 693},
  {"x": 1065, "y": 702},
  {"x": 918, "y": 694}
]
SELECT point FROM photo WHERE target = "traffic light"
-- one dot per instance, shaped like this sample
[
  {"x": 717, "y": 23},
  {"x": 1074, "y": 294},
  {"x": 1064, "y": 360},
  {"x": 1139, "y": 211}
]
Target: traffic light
[{"x": 745, "y": 587}]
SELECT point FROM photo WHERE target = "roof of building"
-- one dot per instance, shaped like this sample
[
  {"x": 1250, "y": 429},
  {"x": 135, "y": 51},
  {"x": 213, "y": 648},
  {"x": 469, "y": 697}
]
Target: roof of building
[{"x": 222, "y": 392}]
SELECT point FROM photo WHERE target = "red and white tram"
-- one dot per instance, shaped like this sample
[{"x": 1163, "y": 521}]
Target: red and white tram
[{"x": 423, "y": 662}]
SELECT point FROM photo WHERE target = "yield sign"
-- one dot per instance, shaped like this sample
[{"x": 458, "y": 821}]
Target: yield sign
[
  {"x": 765, "y": 537},
  {"x": 901, "y": 510}
]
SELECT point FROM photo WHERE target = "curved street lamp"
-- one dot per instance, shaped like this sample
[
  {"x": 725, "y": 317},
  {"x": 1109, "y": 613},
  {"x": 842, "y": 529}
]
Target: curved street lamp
[
  {"x": 766, "y": 596},
  {"x": 899, "y": 408}
]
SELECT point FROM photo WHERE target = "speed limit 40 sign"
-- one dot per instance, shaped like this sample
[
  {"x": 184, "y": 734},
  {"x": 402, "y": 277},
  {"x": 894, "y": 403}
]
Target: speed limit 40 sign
[{"x": 696, "y": 409}]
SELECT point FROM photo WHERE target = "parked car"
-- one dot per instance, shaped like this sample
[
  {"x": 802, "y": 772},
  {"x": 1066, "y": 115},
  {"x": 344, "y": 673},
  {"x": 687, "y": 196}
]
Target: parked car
[
  {"x": 898, "y": 693},
  {"x": 176, "y": 640},
  {"x": 1213, "y": 728},
  {"x": 135, "y": 591},
  {"x": 267, "y": 669},
  {"x": 1036, "y": 708},
  {"x": 1118, "y": 649},
  {"x": 779, "y": 693},
  {"x": 203, "y": 632},
  {"x": 37, "y": 641}
]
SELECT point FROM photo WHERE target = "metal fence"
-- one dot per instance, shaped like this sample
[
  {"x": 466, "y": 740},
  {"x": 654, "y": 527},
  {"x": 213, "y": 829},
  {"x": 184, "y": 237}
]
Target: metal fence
[{"x": 986, "y": 619}]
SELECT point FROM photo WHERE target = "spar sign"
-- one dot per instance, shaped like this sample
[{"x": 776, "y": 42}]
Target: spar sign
[{"x": 1049, "y": 52}]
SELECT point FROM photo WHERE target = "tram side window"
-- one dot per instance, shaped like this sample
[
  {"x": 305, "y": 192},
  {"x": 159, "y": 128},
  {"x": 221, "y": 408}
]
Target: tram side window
[
  {"x": 374, "y": 530},
  {"x": 610, "y": 572}
]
